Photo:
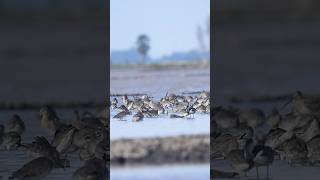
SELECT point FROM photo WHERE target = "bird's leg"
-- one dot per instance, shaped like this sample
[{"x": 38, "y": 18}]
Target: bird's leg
[
  {"x": 257, "y": 172},
  {"x": 245, "y": 174},
  {"x": 268, "y": 172}
]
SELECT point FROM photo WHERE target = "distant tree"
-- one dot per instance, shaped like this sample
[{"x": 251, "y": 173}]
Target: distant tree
[
  {"x": 143, "y": 46},
  {"x": 201, "y": 41},
  {"x": 203, "y": 36}
]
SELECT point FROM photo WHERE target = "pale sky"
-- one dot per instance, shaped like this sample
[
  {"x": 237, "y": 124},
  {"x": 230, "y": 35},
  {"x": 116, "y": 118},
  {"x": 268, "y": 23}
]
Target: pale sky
[{"x": 170, "y": 24}]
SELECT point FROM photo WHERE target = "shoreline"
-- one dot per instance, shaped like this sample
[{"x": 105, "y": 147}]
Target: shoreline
[{"x": 184, "y": 149}]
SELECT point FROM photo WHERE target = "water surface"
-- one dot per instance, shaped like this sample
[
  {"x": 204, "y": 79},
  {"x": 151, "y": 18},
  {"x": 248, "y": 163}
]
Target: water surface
[{"x": 167, "y": 172}]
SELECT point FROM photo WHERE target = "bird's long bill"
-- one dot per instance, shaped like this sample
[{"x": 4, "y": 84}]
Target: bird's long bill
[{"x": 286, "y": 104}]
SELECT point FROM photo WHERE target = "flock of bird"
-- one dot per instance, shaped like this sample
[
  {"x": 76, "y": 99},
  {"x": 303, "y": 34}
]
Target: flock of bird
[
  {"x": 178, "y": 105},
  {"x": 248, "y": 138},
  {"x": 86, "y": 135}
]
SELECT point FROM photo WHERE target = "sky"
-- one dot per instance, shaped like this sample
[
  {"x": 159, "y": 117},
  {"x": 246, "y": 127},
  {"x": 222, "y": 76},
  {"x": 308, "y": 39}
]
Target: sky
[{"x": 170, "y": 24}]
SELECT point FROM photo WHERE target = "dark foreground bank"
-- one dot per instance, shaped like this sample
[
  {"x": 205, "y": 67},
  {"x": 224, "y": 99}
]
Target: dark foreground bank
[{"x": 178, "y": 149}]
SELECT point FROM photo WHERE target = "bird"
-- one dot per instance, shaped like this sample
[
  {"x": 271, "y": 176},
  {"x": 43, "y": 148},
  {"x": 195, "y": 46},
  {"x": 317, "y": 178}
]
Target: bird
[
  {"x": 214, "y": 173},
  {"x": 262, "y": 156},
  {"x": 114, "y": 103},
  {"x": 239, "y": 161},
  {"x": 36, "y": 169},
  {"x": 313, "y": 147},
  {"x": 252, "y": 117},
  {"x": 63, "y": 138},
  {"x": 190, "y": 111},
  {"x": 93, "y": 169},
  {"x": 15, "y": 124},
  {"x": 295, "y": 151},
  {"x": 304, "y": 105},
  {"x": 138, "y": 117},
  {"x": 10, "y": 141},
  {"x": 121, "y": 115},
  {"x": 223, "y": 144},
  {"x": 40, "y": 147},
  {"x": 49, "y": 119},
  {"x": 274, "y": 119},
  {"x": 225, "y": 118}
]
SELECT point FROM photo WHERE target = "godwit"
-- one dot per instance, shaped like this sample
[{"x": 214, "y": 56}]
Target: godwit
[
  {"x": 10, "y": 141},
  {"x": 15, "y": 124},
  {"x": 239, "y": 161},
  {"x": 138, "y": 117},
  {"x": 121, "y": 115},
  {"x": 214, "y": 173},
  {"x": 295, "y": 151},
  {"x": 223, "y": 144},
  {"x": 252, "y": 117},
  {"x": 93, "y": 169},
  {"x": 49, "y": 120},
  {"x": 225, "y": 118},
  {"x": 36, "y": 169},
  {"x": 262, "y": 156},
  {"x": 274, "y": 119},
  {"x": 313, "y": 147}
]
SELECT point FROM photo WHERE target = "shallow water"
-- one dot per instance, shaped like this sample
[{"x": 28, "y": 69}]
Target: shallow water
[
  {"x": 158, "y": 127},
  {"x": 157, "y": 83},
  {"x": 167, "y": 172},
  {"x": 278, "y": 170},
  {"x": 10, "y": 161}
]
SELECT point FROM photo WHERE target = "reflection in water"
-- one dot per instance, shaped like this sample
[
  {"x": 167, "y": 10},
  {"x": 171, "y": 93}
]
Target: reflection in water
[{"x": 168, "y": 172}]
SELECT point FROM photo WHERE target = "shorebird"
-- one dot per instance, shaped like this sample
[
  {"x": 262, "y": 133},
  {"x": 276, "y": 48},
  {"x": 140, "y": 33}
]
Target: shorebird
[
  {"x": 274, "y": 119},
  {"x": 173, "y": 116},
  {"x": 93, "y": 169},
  {"x": 214, "y": 173},
  {"x": 223, "y": 144},
  {"x": 303, "y": 105},
  {"x": 62, "y": 140},
  {"x": 308, "y": 131},
  {"x": 121, "y": 115},
  {"x": 114, "y": 103},
  {"x": 252, "y": 117},
  {"x": 239, "y": 161},
  {"x": 36, "y": 169},
  {"x": 86, "y": 120},
  {"x": 49, "y": 120},
  {"x": 190, "y": 111},
  {"x": 15, "y": 124},
  {"x": 85, "y": 137},
  {"x": 262, "y": 156},
  {"x": 127, "y": 102},
  {"x": 289, "y": 122},
  {"x": 295, "y": 151},
  {"x": 138, "y": 117},
  {"x": 225, "y": 118},
  {"x": 40, "y": 147},
  {"x": 313, "y": 147},
  {"x": 10, "y": 141},
  {"x": 277, "y": 137}
]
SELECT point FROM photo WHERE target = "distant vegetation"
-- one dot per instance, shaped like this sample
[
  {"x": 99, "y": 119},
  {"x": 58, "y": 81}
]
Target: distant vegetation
[{"x": 143, "y": 46}]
